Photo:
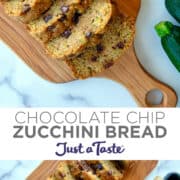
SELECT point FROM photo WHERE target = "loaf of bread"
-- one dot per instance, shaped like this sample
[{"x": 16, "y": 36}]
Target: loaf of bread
[
  {"x": 26, "y": 10},
  {"x": 90, "y": 170},
  {"x": 117, "y": 38},
  {"x": 72, "y": 40},
  {"x": 61, "y": 15}
]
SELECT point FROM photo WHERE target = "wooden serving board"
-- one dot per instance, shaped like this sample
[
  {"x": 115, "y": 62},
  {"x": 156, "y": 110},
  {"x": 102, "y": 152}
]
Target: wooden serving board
[
  {"x": 127, "y": 70},
  {"x": 138, "y": 171}
]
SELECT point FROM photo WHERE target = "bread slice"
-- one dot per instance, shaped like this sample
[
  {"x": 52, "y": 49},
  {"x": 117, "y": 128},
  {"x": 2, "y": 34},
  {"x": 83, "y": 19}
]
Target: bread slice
[
  {"x": 26, "y": 10},
  {"x": 92, "y": 22},
  {"x": 61, "y": 15},
  {"x": 81, "y": 170},
  {"x": 116, "y": 40}
]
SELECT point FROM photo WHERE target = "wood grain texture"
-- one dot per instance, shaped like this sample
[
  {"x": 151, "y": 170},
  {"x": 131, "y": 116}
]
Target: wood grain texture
[
  {"x": 127, "y": 70},
  {"x": 138, "y": 171}
]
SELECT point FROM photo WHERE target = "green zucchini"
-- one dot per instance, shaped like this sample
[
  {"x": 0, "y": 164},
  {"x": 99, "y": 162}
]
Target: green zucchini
[
  {"x": 172, "y": 176},
  {"x": 173, "y": 6},
  {"x": 170, "y": 40}
]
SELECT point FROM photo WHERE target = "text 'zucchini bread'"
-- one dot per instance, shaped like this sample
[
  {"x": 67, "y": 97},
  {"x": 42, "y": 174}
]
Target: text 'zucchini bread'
[
  {"x": 61, "y": 15},
  {"x": 92, "y": 22},
  {"x": 90, "y": 170},
  {"x": 26, "y": 10},
  {"x": 117, "y": 38}
]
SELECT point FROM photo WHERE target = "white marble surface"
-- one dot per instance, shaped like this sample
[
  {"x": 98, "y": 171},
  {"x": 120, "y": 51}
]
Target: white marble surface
[{"x": 20, "y": 87}]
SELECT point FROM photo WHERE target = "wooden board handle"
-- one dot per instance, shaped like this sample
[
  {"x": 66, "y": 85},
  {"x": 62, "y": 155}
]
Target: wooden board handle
[{"x": 129, "y": 72}]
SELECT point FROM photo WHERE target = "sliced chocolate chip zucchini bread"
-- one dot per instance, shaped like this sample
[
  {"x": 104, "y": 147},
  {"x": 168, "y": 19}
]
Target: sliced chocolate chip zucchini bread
[
  {"x": 61, "y": 15},
  {"x": 117, "y": 38},
  {"x": 26, "y": 10},
  {"x": 91, "y": 170},
  {"x": 72, "y": 40}
]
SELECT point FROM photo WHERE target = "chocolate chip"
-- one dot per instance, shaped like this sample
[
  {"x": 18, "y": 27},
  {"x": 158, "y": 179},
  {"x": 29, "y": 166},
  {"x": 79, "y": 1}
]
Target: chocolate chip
[
  {"x": 47, "y": 17},
  {"x": 120, "y": 165},
  {"x": 94, "y": 58},
  {"x": 62, "y": 174},
  {"x": 62, "y": 18},
  {"x": 75, "y": 18},
  {"x": 78, "y": 178},
  {"x": 84, "y": 165},
  {"x": 108, "y": 65},
  {"x": 66, "y": 33},
  {"x": 99, "y": 166},
  {"x": 59, "y": 175},
  {"x": 70, "y": 167},
  {"x": 120, "y": 45},
  {"x": 79, "y": 55},
  {"x": 26, "y": 8},
  {"x": 100, "y": 36},
  {"x": 99, "y": 48},
  {"x": 64, "y": 9},
  {"x": 109, "y": 173},
  {"x": 51, "y": 28},
  {"x": 88, "y": 34}
]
